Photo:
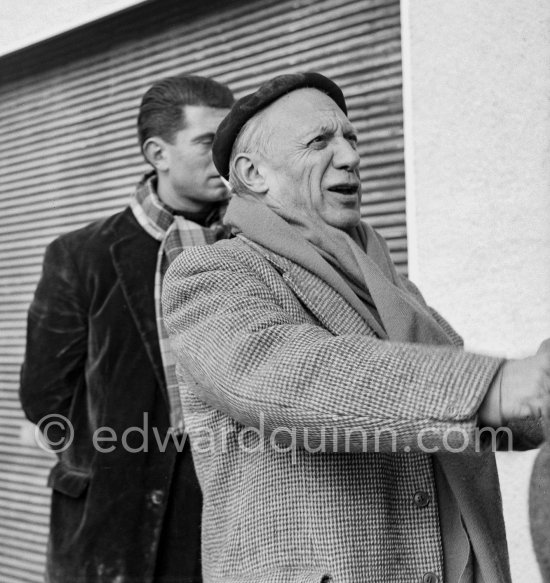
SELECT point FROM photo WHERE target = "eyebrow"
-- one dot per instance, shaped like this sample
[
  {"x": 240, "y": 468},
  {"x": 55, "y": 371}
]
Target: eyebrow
[
  {"x": 311, "y": 132},
  {"x": 330, "y": 130},
  {"x": 326, "y": 129}
]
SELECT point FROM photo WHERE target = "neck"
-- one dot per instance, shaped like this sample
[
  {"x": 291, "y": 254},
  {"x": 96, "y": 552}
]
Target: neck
[
  {"x": 200, "y": 217},
  {"x": 179, "y": 203}
]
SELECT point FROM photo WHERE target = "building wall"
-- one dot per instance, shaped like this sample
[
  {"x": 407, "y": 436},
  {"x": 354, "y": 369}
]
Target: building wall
[{"x": 477, "y": 129}]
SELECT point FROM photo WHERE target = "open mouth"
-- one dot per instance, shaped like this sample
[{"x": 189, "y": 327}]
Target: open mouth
[{"x": 345, "y": 188}]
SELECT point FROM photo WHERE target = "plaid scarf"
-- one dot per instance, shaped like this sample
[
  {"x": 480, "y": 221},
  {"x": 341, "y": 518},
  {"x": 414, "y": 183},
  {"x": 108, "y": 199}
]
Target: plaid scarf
[{"x": 175, "y": 233}]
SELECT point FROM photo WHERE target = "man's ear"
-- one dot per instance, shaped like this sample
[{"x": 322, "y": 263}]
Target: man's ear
[
  {"x": 154, "y": 150},
  {"x": 250, "y": 174}
]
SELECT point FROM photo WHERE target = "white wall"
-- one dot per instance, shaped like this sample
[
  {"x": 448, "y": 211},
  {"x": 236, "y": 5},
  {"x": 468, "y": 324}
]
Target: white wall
[
  {"x": 477, "y": 131},
  {"x": 25, "y": 23}
]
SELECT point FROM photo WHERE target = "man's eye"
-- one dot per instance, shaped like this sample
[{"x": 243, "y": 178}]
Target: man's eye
[
  {"x": 318, "y": 141},
  {"x": 205, "y": 146}
]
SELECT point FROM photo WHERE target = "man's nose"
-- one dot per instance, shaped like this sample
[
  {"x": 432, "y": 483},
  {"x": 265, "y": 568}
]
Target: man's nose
[
  {"x": 346, "y": 155},
  {"x": 211, "y": 161}
]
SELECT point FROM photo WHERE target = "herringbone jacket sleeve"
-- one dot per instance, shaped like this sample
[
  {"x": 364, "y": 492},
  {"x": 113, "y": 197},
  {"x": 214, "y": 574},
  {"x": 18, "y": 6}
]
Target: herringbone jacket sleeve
[
  {"x": 527, "y": 433},
  {"x": 250, "y": 349}
]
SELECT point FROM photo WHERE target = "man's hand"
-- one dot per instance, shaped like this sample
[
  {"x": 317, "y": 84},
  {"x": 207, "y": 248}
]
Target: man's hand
[{"x": 520, "y": 390}]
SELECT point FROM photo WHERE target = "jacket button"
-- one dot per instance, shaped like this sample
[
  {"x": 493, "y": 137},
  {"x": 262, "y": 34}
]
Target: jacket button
[
  {"x": 430, "y": 578},
  {"x": 157, "y": 496},
  {"x": 421, "y": 499}
]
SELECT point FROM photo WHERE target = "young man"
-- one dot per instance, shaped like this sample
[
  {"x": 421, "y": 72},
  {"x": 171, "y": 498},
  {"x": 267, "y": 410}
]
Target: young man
[{"x": 126, "y": 505}]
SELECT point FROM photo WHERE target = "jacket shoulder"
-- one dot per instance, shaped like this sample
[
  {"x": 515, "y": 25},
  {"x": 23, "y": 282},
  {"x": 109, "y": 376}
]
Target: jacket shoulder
[
  {"x": 225, "y": 266},
  {"x": 109, "y": 228},
  {"x": 230, "y": 254},
  {"x": 88, "y": 249}
]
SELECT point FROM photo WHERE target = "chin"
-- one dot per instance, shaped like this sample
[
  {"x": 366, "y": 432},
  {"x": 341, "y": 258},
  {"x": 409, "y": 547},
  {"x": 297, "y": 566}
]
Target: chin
[
  {"x": 345, "y": 222},
  {"x": 218, "y": 195}
]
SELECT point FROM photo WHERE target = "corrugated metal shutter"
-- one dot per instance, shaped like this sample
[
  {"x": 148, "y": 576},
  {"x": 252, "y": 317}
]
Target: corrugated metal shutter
[{"x": 69, "y": 155}]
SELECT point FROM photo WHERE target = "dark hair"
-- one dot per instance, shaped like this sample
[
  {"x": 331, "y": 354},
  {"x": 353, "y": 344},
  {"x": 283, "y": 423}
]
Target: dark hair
[{"x": 161, "y": 111}]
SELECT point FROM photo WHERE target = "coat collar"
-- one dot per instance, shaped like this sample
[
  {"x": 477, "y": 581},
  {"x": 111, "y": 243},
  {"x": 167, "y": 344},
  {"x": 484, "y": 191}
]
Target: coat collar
[
  {"x": 132, "y": 254},
  {"x": 325, "y": 303}
]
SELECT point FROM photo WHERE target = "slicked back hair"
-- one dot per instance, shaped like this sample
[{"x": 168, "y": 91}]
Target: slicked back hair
[{"x": 161, "y": 112}]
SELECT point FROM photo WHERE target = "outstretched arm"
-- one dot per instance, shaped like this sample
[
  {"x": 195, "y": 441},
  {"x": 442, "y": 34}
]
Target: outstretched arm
[{"x": 250, "y": 350}]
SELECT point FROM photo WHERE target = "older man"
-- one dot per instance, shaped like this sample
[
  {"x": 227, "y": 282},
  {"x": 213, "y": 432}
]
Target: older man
[
  {"x": 320, "y": 391},
  {"x": 539, "y": 506}
]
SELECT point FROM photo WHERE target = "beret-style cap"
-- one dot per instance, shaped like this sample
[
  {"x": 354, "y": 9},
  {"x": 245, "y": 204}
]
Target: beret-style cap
[{"x": 251, "y": 104}]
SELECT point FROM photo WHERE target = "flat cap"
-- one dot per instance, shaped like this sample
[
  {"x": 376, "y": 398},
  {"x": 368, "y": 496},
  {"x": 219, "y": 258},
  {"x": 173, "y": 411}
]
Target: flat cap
[{"x": 251, "y": 104}]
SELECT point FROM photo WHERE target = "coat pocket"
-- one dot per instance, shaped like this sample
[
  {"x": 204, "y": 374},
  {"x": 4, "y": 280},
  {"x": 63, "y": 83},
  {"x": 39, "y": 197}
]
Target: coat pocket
[{"x": 68, "y": 481}]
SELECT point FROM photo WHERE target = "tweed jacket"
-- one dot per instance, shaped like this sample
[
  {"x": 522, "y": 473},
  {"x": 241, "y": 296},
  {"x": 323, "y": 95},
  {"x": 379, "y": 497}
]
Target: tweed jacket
[
  {"x": 270, "y": 357},
  {"x": 93, "y": 356},
  {"x": 539, "y": 507}
]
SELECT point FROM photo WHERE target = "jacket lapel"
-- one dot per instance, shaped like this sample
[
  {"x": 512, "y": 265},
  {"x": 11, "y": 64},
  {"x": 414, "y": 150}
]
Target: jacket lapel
[
  {"x": 134, "y": 259},
  {"x": 327, "y": 305}
]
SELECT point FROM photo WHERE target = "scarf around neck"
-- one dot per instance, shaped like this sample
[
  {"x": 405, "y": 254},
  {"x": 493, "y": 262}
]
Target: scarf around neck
[
  {"x": 357, "y": 265},
  {"x": 175, "y": 233}
]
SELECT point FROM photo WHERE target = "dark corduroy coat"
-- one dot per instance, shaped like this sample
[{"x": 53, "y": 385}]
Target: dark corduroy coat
[{"x": 93, "y": 356}]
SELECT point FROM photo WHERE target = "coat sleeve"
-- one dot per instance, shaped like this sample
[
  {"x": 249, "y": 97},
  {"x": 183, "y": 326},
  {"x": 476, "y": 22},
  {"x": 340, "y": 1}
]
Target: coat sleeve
[
  {"x": 56, "y": 338},
  {"x": 254, "y": 360},
  {"x": 523, "y": 434}
]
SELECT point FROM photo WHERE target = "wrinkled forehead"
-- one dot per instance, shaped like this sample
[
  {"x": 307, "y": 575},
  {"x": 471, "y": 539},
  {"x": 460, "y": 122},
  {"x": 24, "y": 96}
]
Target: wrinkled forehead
[{"x": 303, "y": 108}]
